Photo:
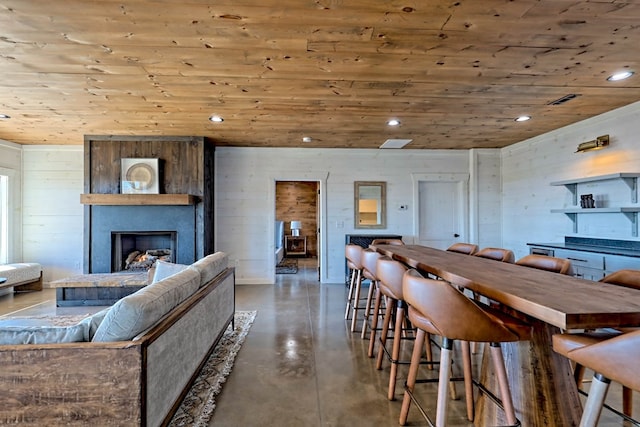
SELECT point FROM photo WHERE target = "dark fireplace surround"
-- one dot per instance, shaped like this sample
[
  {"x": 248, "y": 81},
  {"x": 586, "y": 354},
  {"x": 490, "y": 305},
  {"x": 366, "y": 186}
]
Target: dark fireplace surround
[
  {"x": 181, "y": 218},
  {"x": 152, "y": 220}
]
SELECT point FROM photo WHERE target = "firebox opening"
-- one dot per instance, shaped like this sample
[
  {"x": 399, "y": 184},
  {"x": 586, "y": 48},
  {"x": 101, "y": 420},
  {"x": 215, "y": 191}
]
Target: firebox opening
[{"x": 138, "y": 251}]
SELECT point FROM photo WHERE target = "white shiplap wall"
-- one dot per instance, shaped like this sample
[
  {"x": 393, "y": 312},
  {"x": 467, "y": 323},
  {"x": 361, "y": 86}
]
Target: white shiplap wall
[
  {"x": 530, "y": 166},
  {"x": 52, "y": 213},
  {"x": 245, "y": 202}
]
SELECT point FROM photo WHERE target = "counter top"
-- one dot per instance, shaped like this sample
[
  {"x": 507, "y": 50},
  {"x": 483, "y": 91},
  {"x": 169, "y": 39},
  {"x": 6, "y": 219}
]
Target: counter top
[{"x": 603, "y": 246}]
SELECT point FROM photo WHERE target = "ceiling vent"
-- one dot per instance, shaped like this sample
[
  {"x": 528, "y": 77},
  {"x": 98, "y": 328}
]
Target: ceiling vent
[
  {"x": 395, "y": 143},
  {"x": 564, "y": 99}
]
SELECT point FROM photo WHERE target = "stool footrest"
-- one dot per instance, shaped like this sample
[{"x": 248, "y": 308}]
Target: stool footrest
[
  {"x": 614, "y": 410},
  {"x": 481, "y": 387}
]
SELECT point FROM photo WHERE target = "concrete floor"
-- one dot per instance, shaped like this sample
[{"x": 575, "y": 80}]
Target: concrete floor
[{"x": 300, "y": 365}]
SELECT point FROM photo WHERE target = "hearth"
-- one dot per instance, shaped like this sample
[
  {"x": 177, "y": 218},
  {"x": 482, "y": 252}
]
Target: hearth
[{"x": 135, "y": 251}]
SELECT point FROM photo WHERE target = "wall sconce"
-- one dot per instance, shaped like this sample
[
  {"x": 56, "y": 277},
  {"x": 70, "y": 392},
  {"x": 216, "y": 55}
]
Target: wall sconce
[
  {"x": 295, "y": 228},
  {"x": 596, "y": 144}
]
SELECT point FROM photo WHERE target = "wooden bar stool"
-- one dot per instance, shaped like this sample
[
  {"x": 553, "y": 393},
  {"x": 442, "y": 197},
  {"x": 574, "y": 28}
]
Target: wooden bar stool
[
  {"x": 436, "y": 307},
  {"x": 543, "y": 262},
  {"x": 353, "y": 254},
  {"x": 611, "y": 357},
  {"x": 369, "y": 261},
  {"x": 463, "y": 248}
]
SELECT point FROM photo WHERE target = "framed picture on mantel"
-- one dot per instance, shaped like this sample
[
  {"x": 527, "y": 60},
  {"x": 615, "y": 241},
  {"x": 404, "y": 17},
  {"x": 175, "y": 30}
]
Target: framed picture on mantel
[{"x": 140, "y": 176}]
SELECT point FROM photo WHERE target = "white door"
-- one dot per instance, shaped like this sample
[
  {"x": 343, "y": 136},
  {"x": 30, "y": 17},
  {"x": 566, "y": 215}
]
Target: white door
[{"x": 441, "y": 213}]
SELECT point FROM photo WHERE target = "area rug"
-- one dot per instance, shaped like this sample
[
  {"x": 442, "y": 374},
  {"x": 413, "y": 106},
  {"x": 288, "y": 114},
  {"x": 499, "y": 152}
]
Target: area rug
[
  {"x": 197, "y": 407},
  {"x": 287, "y": 266}
]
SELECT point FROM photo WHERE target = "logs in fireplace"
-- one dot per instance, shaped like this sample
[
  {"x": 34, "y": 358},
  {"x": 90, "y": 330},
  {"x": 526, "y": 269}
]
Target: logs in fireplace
[
  {"x": 139, "y": 250},
  {"x": 144, "y": 260}
]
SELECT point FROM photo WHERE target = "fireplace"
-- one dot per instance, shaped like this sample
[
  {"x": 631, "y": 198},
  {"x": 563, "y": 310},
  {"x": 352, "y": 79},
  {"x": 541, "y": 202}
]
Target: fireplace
[
  {"x": 184, "y": 207},
  {"x": 138, "y": 251},
  {"x": 117, "y": 230}
]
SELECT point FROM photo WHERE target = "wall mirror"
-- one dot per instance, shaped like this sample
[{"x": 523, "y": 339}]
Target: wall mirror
[{"x": 370, "y": 202}]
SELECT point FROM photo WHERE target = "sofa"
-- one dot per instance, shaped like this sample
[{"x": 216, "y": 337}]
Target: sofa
[
  {"x": 130, "y": 364},
  {"x": 22, "y": 276}
]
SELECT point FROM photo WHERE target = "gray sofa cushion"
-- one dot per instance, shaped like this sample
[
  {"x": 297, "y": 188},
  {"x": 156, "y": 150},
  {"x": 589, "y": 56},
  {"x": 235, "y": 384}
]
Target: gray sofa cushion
[
  {"x": 45, "y": 330},
  {"x": 43, "y": 334},
  {"x": 142, "y": 309},
  {"x": 210, "y": 266}
]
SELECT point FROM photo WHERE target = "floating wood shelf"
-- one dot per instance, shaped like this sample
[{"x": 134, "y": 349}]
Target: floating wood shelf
[{"x": 138, "y": 199}]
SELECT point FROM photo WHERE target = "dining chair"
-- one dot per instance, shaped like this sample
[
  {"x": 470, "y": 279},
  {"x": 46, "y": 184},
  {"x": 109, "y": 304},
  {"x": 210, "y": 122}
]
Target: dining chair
[
  {"x": 612, "y": 356},
  {"x": 436, "y": 307},
  {"x": 353, "y": 253},
  {"x": 463, "y": 248},
  {"x": 369, "y": 261},
  {"x": 548, "y": 263}
]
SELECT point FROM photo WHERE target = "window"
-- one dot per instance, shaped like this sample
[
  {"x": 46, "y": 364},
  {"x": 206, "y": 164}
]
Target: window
[{"x": 4, "y": 219}]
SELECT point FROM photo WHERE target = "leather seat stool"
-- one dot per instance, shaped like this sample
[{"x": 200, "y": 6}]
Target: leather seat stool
[
  {"x": 436, "y": 307},
  {"x": 397, "y": 242},
  {"x": 613, "y": 356},
  {"x": 369, "y": 261},
  {"x": 629, "y": 279},
  {"x": 498, "y": 254},
  {"x": 463, "y": 248},
  {"x": 353, "y": 253},
  {"x": 548, "y": 263},
  {"x": 390, "y": 274}
]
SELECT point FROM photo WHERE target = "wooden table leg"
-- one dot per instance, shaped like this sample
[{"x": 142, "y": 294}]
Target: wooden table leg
[{"x": 541, "y": 381}]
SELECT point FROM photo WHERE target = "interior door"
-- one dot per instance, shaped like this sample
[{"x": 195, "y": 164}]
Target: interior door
[{"x": 441, "y": 216}]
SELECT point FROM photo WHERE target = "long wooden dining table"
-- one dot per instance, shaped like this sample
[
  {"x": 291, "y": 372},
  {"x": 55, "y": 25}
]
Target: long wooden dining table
[{"x": 541, "y": 380}]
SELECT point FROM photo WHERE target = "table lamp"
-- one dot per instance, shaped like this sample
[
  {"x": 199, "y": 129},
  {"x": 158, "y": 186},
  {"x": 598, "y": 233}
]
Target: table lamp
[{"x": 295, "y": 228}]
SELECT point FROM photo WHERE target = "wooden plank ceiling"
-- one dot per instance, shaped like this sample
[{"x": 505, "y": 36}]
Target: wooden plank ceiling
[{"x": 456, "y": 73}]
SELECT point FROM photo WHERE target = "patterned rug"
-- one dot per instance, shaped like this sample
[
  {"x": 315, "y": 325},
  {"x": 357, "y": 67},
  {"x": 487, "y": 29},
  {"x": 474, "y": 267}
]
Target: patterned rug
[
  {"x": 197, "y": 407},
  {"x": 287, "y": 266}
]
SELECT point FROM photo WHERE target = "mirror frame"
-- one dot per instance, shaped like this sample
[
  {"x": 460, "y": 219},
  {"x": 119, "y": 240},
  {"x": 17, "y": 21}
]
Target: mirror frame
[{"x": 383, "y": 204}]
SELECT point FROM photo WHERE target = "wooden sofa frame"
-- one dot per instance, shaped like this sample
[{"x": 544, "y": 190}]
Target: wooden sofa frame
[{"x": 139, "y": 382}]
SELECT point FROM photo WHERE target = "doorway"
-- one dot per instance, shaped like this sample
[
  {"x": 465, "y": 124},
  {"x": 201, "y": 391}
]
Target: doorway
[
  {"x": 297, "y": 208},
  {"x": 441, "y": 210}
]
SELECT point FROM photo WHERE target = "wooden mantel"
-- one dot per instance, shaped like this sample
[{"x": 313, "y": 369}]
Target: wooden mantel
[{"x": 138, "y": 199}]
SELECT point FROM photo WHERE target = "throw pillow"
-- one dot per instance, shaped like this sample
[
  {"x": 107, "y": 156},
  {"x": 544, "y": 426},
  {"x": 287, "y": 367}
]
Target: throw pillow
[{"x": 165, "y": 269}]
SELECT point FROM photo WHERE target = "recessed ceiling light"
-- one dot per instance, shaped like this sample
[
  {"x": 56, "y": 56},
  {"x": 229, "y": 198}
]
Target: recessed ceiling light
[
  {"x": 306, "y": 139},
  {"x": 394, "y": 122},
  {"x": 216, "y": 119},
  {"x": 523, "y": 118},
  {"x": 620, "y": 76},
  {"x": 5, "y": 116}
]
